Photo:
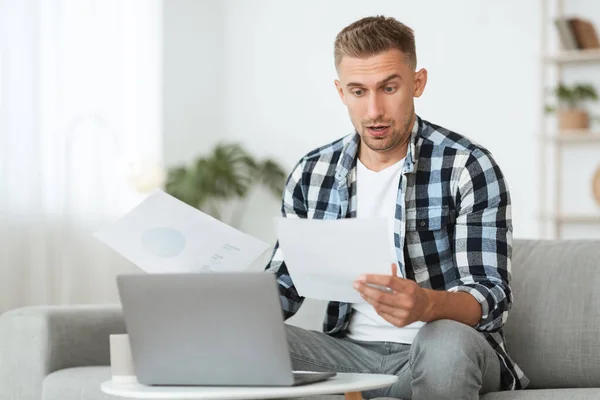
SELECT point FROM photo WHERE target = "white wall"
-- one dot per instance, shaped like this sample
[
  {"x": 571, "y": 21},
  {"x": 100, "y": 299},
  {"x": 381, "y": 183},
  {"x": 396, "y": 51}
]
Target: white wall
[{"x": 193, "y": 40}]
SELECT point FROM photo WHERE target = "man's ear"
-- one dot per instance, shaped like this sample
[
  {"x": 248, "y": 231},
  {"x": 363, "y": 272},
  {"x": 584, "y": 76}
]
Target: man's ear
[
  {"x": 340, "y": 90},
  {"x": 420, "y": 82}
]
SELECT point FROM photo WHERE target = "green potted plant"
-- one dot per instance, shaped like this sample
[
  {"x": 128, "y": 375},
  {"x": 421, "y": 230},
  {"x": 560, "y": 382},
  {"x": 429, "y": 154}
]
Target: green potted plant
[
  {"x": 570, "y": 105},
  {"x": 229, "y": 172}
]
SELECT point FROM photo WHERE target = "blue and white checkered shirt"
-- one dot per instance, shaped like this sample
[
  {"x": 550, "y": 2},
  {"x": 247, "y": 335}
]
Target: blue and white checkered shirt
[{"x": 453, "y": 232}]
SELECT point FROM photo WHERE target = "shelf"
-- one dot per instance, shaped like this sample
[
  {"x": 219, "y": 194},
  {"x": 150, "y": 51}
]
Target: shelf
[
  {"x": 575, "y": 56},
  {"x": 556, "y": 145},
  {"x": 573, "y": 218},
  {"x": 574, "y": 136}
]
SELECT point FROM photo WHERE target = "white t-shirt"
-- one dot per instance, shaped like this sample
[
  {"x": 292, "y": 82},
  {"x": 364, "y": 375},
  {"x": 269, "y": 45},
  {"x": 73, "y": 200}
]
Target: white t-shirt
[{"x": 376, "y": 196}]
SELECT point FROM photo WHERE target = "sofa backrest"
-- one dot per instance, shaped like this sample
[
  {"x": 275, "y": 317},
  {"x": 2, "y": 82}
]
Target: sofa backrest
[{"x": 553, "y": 329}]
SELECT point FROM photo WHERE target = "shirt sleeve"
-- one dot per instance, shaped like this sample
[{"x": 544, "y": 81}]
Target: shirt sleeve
[
  {"x": 293, "y": 206},
  {"x": 483, "y": 239}
]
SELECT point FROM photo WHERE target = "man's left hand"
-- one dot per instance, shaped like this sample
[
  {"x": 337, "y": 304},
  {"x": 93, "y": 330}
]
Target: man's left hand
[{"x": 407, "y": 303}]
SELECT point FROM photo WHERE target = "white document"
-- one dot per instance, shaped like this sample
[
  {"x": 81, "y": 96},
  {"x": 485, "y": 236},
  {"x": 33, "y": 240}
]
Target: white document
[
  {"x": 165, "y": 235},
  {"x": 325, "y": 257}
]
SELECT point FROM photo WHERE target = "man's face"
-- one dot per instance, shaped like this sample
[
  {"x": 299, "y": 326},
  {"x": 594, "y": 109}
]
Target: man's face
[{"x": 378, "y": 92}]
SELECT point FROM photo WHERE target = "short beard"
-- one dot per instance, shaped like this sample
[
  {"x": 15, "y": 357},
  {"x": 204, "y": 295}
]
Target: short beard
[{"x": 397, "y": 138}]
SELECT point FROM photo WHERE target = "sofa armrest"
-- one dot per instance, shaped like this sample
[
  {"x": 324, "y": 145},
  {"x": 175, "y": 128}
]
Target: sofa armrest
[{"x": 36, "y": 341}]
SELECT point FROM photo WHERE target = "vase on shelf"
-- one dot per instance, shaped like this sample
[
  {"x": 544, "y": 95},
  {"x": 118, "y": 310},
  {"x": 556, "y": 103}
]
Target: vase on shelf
[
  {"x": 596, "y": 185},
  {"x": 573, "y": 119}
]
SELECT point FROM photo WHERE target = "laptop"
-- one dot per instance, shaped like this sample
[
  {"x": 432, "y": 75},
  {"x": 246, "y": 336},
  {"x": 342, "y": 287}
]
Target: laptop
[{"x": 208, "y": 329}]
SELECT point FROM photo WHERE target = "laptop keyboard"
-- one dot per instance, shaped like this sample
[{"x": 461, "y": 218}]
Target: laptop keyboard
[{"x": 302, "y": 378}]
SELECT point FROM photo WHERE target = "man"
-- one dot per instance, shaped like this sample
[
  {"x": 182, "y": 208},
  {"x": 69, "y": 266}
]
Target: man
[{"x": 440, "y": 329}]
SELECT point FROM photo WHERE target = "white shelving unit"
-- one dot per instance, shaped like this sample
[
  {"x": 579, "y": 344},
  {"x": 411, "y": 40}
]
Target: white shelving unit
[
  {"x": 583, "y": 219},
  {"x": 554, "y": 142},
  {"x": 573, "y": 136},
  {"x": 574, "y": 57}
]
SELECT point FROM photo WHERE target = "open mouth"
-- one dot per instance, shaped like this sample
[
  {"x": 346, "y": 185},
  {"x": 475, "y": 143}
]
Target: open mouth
[{"x": 378, "y": 130}]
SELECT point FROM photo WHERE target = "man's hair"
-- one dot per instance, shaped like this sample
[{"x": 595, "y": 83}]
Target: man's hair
[{"x": 373, "y": 35}]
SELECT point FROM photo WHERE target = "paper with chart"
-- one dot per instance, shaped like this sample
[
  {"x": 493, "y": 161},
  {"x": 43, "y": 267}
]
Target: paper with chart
[
  {"x": 325, "y": 257},
  {"x": 165, "y": 235}
]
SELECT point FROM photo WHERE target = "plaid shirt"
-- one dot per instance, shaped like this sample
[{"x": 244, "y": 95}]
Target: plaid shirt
[{"x": 453, "y": 232}]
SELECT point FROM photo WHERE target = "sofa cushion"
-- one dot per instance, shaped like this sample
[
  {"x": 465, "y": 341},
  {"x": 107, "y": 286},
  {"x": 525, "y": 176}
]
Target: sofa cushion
[
  {"x": 551, "y": 394},
  {"x": 76, "y": 384},
  {"x": 552, "y": 330}
]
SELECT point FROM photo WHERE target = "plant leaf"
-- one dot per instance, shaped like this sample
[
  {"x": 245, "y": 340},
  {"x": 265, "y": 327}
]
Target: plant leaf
[
  {"x": 228, "y": 172},
  {"x": 272, "y": 176}
]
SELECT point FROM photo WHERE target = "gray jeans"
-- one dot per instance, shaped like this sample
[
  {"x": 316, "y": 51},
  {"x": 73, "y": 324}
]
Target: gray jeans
[{"x": 447, "y": 360}]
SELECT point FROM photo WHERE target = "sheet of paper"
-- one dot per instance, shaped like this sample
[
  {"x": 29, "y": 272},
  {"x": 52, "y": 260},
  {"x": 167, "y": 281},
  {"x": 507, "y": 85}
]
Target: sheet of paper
[
  {"x": 324, "y": 257},
  {"x": 165, "y": 235}
]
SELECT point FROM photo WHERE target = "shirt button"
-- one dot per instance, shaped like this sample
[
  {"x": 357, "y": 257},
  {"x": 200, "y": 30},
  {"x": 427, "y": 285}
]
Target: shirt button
[{"x": 423, "y": 223}]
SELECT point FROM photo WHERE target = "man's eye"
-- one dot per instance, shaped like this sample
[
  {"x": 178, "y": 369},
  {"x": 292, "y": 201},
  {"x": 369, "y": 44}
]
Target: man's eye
[
  {"x": 358, "y": 92},
  {"x": 390, "y": 89}
]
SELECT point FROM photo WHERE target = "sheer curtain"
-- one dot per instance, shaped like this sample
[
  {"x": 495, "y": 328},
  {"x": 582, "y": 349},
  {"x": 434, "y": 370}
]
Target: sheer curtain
[{"x": 80, "y": 118}]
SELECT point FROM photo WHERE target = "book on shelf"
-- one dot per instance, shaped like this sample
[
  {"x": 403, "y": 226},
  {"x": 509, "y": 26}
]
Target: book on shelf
[{"x": 577, "y": 34}]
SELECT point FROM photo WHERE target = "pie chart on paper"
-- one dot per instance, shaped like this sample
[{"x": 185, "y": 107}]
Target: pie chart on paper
[{"x": 163, "y": 242}]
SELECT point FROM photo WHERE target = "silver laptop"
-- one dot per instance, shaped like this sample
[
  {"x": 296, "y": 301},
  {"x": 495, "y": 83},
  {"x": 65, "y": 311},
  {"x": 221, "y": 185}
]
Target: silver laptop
[{"x": 209, "y": 329}]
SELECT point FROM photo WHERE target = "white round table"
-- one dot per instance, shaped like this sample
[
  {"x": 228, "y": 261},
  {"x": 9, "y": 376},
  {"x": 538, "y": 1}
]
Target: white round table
[{"x": 350, "y": 384}]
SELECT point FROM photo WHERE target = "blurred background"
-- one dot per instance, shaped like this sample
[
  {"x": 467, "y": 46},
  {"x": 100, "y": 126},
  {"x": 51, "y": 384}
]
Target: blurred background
[{"x": 102, "y": 101}]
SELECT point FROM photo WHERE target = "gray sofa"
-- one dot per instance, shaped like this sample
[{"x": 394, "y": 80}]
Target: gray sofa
[{"x": 553, "y": 332}]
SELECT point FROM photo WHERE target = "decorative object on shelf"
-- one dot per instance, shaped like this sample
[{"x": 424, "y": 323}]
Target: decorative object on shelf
[
  {"x": 228, "y": 173},
  {"x": 571, "y": 113},
  {"x": 596, "y": 185},
  {"x": 577, "y": 33}
]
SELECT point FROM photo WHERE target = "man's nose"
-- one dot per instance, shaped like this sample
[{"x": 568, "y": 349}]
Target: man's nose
[{"x": 375, "y": 108}]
